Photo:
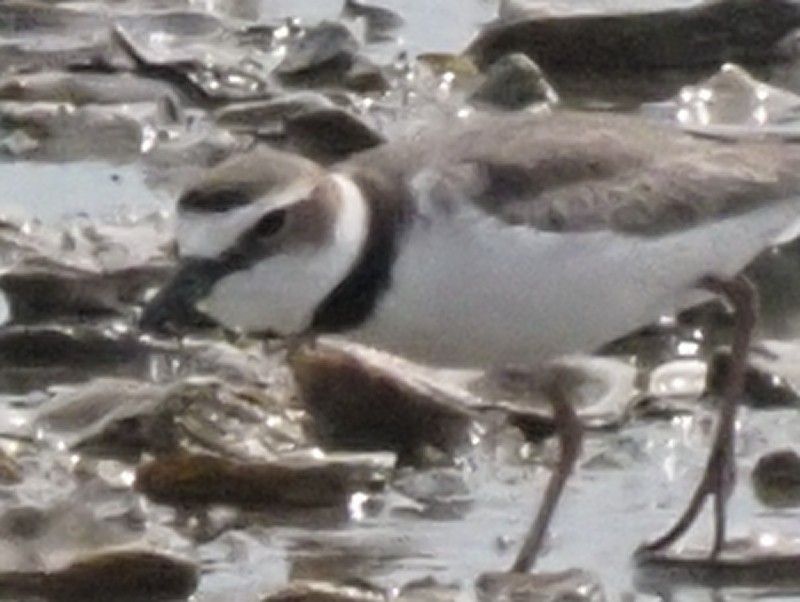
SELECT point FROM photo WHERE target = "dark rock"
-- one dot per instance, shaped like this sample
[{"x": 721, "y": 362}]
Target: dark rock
[
  {"x": 365, "y": 77},
  {"x": 33, "y": 357},
  {"x": 328, "y": 47},
  {"x": 81, "y": 270},
  {"x": 241, "y": 415},
  {"x": 38, "y": 292},
  {"x": 380, "y": 21},
  {"x": 48, "y": 346},
  {"x": 114, "y": 418},
  {"x": 776, "y": 479},
  {"x": 768, "y": 561},
  {"x": 126, "y": 576},
  {"x": 266, "y": 118},
  {"x": 192, "y": 480},
  {"x": 319, "y": 591},
  {"x": 776, "y": 275},
  {"x": 429, "y": 589},
  {"x": 203, "y": 82},
  {"x": 359, "y": 398},
  {"x": 329, "y": 135},
  {"x": 764, "y": 385},
  {"x": 656, "y": 51},
  {"x": 575, "y": 585},
  {"x": 512, "y": 83}
]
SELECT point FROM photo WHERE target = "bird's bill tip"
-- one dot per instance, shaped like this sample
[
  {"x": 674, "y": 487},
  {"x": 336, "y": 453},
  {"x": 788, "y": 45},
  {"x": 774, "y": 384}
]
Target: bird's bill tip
[{"x": 173, "y": 309}]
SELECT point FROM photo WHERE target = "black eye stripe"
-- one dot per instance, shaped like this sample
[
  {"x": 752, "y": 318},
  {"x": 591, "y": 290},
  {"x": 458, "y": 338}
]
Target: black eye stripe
[
  {"x": 249, "y": 249},
  {"x": 214, "y": 201},
  {"x": 270, "y": 224}
]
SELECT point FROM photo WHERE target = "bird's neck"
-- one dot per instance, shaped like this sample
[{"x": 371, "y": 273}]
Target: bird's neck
[{"x": 352, "y": 302}]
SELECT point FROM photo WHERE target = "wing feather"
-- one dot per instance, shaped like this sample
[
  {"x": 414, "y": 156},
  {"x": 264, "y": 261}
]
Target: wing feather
[{"x": 582, "y": 172}]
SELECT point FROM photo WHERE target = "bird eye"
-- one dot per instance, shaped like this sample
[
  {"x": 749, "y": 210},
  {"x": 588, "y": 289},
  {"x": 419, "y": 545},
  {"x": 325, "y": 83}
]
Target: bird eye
[{"x": 270, "y": 224}]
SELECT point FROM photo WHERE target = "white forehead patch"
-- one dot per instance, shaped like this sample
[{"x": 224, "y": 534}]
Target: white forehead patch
[{"x": 208, "y": 235}]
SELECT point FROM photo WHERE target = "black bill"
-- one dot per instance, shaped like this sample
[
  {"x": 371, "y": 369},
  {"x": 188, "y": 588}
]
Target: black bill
[{"x": 174, "y": 308}]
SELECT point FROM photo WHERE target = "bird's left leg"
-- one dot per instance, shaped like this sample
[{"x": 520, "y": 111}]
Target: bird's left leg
[{"x": 719, "y": 476}]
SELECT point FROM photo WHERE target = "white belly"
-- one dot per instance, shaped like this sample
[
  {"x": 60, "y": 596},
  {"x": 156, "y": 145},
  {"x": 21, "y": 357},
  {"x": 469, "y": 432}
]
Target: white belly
[{"x": 472, "y": 291}]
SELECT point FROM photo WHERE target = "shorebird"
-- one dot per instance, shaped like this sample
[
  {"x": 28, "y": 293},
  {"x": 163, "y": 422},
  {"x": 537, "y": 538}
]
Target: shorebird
[{"x": 493, "y": 241}]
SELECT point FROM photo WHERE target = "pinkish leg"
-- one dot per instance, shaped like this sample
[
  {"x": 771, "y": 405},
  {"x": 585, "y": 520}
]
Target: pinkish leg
[
  {"x": 720, "y": 473},
  {"x": 570, "y": 434}
]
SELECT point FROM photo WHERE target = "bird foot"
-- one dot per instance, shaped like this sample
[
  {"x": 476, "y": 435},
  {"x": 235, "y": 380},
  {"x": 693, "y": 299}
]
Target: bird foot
[{"x": 717, "y": 482}]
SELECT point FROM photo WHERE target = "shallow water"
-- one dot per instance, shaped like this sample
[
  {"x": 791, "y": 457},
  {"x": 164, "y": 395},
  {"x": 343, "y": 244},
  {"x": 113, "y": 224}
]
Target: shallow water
[
  {"x": 63, "y": 190},
  {"x": 606, "y": 513},
  {"x": 629, "y": 484}
]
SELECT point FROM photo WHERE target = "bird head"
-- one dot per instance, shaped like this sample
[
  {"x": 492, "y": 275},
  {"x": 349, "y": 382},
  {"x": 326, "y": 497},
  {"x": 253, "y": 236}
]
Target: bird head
[{"x": 263, "y": 239}]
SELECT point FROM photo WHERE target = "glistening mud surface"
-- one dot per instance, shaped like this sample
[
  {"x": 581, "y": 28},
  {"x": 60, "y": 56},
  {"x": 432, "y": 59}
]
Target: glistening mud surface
[{"x": 130, "y": 103}]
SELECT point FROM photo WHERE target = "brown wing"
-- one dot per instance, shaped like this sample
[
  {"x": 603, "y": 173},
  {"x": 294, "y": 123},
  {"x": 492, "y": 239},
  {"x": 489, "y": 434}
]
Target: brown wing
[
  {"x": 662, "y": 195},
  {"x": 572, "y": 172}
]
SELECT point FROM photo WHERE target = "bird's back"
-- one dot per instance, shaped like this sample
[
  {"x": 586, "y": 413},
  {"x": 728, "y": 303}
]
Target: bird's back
[
  {"x": 580, "y": 171},
  {"x": 537, "y": 236}
]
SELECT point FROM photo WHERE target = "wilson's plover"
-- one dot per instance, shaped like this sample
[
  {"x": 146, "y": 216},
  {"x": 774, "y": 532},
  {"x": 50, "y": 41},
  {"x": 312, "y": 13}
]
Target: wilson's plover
[{"x": 500, "y": 240}]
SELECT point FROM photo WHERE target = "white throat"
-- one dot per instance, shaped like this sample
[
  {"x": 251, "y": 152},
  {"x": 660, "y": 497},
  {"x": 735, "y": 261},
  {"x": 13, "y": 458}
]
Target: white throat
[{"x": 282, "y": 292}]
